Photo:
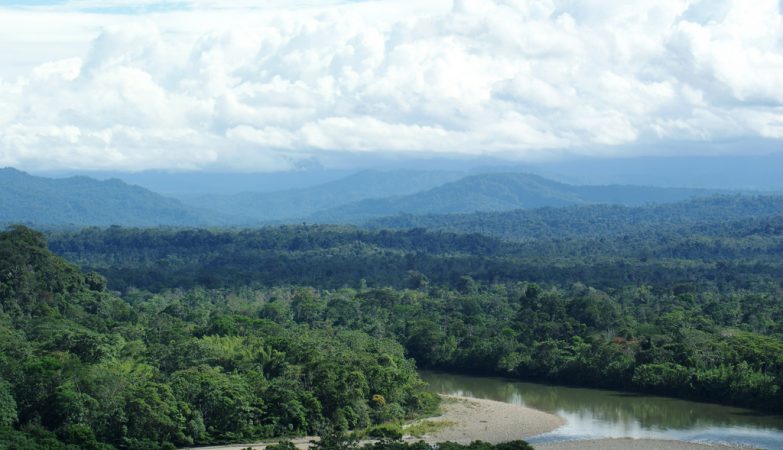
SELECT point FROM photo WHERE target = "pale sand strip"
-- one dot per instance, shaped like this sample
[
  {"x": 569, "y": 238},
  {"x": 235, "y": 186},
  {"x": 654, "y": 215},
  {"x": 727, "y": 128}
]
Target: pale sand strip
[
  {"x": 489, "y": 421},
  {"x": 627, "y": 443}
]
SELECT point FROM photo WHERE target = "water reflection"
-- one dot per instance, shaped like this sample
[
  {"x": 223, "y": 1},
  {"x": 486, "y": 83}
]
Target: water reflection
[{"x": 592, "y": 413}]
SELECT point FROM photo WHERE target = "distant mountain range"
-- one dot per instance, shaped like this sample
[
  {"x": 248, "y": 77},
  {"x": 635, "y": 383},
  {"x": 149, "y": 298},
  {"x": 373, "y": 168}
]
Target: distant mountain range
[
  {"x": 354, "y": 199},
  {"x": 194, "y": 184},
  {"x": 753, "y": 170},
  {"x": 297, "y": 204},
  {"x": 84, "y": 201},
  {"x": 503, "y": 192}
]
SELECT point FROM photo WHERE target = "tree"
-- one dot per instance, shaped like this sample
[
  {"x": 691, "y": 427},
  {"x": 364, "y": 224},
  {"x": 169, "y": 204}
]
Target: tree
[{"x": 8, "y": 414}]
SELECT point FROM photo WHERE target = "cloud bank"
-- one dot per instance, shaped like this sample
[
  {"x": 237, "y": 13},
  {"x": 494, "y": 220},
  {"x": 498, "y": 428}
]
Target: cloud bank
[{"x": 271, "y": 88}]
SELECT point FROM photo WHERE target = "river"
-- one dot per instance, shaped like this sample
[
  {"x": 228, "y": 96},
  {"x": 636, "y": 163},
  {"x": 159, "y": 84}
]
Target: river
[{"x": 596, "y": 413}]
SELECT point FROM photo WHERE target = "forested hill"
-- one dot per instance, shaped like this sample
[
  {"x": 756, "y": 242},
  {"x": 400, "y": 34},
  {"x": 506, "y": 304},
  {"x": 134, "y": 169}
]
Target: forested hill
[
  {"x": 503, "y": 192},
  {"x": 594, "y": 220},
  {"x": 82, "y": 369},
  {"x": 85, "y": 201},
  {"x": 295, "y": 204},
  {"x": 369, "y": 194}
]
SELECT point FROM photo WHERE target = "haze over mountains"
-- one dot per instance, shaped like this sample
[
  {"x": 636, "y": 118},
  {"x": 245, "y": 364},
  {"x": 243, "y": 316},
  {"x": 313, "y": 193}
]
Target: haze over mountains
[
  {"x": 353, "y": 199},
  {"x": 734, "y": 172},
  {"x": 294, "y": 204},
  {"x": 503, "y": 192},
  {"x": 85, "y": 201},
  {"x": 737, "y": 172}
]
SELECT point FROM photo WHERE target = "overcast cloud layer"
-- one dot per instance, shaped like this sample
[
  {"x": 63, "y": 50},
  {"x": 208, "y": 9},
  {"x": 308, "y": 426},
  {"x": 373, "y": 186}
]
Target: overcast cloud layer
[{"x": 195, "y": 85}]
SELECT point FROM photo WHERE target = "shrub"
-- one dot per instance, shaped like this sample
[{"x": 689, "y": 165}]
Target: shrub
[
  {"x": 282, "y": 445},
  {"x": 385, "y": 431}
]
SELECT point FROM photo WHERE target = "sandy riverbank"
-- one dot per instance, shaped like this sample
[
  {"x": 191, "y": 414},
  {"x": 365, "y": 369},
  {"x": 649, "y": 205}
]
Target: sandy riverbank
[
  {"x": 492, "y": 421},
  {"x": 474, "y": 419},
  {"x": 466, "y": 419},
  {"x": 597, "y": 444}
]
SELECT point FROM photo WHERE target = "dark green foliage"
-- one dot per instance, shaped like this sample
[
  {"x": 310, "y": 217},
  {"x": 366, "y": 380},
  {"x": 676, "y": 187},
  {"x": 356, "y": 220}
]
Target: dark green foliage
[
  {"x": 239, "y": 335},
  {"x": 80, "y": 368},
  {"x": 334, "y": 439},
  {"x": 704, "y": 345},
  {"x": 738, "y": 253},
  {"x": 398, "y": 445},
  {"x": 513, "y": 445},
  {"x": 656, "y": 221},
  {"x": 282, "y": 445},
  {"x": 8, "y": 415},
  {"x": 385, "y": 431},
  {"x": 321, "y": 256},
  {"x": 479, "y": 445},
  {"x": 34, "y": 437},
  {"x": 695, "y": 313}
]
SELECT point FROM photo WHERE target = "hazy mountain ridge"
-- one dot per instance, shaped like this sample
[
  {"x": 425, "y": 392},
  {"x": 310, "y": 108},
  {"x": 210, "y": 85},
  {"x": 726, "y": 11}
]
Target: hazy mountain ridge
[
  {"x": 503, "y": 192},
  {"x": 86, "y": 201},
  {"x": 196, "y": 183},
  {"x": 758, "y": 172},
  {"x": 295, "y": 204}
]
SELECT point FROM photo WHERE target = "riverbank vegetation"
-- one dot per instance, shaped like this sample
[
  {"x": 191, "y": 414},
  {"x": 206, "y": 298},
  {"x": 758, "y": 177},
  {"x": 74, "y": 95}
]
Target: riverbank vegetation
[{"x": 707, "y": 345}]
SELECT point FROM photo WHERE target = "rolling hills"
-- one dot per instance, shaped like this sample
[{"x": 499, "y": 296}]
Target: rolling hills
[
  {"x": 293, "y": 205},
  {"x": 363, "y": 196},
  {"x": 503, "y": 192},
  {"x": 25, "y": 198}
]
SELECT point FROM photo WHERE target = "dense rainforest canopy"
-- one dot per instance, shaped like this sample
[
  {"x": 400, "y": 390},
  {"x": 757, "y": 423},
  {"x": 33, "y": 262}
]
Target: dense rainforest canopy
[
  {"x": 81, "y": 368},
  {"x": 597, "y": 220},
  {"x": 693, "y": 309},
  {"x": 175, "y": 337},
  {"x": 739, "y": 253}
]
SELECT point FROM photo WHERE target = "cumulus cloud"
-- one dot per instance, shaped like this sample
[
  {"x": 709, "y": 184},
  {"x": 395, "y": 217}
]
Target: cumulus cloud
[{"x": 254, "y": 88}]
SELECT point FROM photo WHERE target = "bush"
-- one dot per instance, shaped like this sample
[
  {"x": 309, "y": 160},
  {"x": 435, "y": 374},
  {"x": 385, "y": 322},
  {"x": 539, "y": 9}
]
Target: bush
[
  {"x": 282, "y": 445},
  {"x": 385, "y": 431},
  {"x": 31, "y": 438},
  {"x": 82, "y": 436},
  {"x": 391, "y": 412},
  {"x": 514, "y": 445},
  {"x": 479, "y": 445}
]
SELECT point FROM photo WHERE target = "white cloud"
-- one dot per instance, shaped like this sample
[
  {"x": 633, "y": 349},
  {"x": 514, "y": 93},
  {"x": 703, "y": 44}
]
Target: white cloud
[{"x": 264, "y": 88}]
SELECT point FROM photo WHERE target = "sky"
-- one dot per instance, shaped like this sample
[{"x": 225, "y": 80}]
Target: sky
[{"x": 277, "y": 85}]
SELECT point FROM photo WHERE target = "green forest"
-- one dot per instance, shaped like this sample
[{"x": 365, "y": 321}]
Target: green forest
[
  {"x": 391, "y": 225},
  {"x": 596, "y": 220},
  {"x": 164, "y": 337},
  {"x": 82, "y": 368}
]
